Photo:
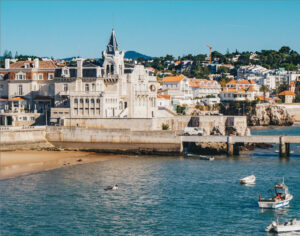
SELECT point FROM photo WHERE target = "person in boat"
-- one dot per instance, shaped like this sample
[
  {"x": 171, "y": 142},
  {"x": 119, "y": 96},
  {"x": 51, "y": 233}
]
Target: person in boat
[{"x": 279, "y": 196}]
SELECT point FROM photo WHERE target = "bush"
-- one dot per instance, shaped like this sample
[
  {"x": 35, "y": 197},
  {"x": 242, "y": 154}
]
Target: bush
[{"x": 164, "y": 126}]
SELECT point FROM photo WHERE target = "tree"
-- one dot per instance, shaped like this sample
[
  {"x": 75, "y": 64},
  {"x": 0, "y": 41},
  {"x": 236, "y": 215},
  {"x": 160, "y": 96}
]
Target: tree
[
  {"x": 7, "y": 54},
  {"x": 264, "y": 89},
  {"x": 285, "y": 49},
  {"x": 281, "y": 87}
]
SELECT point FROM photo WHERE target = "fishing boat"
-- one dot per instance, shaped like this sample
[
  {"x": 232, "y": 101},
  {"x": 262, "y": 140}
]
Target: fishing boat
[
  {"x": 248, "y": 180},
  {"x": 289, "y": 226},
  {"x": 282, "y": 197}
]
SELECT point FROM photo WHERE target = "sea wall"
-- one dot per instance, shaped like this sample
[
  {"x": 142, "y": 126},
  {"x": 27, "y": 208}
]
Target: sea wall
[
  {"x": 15, "y": 138},
  {"x": 113, "y": 140}
]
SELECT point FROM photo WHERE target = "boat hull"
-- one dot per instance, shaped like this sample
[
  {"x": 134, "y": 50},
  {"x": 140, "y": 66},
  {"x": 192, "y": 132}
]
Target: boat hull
[{"x": 273, "y": 204}]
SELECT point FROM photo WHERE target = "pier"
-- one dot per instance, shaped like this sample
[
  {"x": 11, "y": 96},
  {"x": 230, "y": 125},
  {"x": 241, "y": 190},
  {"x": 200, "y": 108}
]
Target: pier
[{"x": 233, "y": 142}]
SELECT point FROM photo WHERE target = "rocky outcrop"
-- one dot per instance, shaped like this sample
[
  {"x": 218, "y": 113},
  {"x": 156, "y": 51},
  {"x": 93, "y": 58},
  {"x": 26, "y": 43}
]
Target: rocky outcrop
[{"x": 267, "y": 114}]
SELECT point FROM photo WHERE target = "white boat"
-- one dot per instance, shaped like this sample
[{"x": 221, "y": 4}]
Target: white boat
[
  {"x": 276, "y": 151},
  {"x": 282, "y": 198},
  {"x": 207, "y": 158},
  {"x": 248, "y": 180},
  {"x": 289, "y": 226}
]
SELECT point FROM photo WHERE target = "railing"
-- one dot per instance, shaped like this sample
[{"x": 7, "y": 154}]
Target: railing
[{"x": 17, "y": 128}]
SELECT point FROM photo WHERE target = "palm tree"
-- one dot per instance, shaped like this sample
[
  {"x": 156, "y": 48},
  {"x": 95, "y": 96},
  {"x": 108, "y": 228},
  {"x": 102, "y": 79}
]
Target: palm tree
[{"x": 264, "y": 89}]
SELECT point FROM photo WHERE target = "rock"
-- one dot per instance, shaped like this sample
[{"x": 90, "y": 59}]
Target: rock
[{"x": 269, "y": 114}]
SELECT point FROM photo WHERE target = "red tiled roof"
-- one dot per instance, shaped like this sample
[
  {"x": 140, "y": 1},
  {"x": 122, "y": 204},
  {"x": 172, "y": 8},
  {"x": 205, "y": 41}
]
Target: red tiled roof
[
  {"x": 176, "y": 78},
  {"x": 42, "y": 64},
  {"x": 164, "y": 96},
  {"x": 287, "y": 92}
]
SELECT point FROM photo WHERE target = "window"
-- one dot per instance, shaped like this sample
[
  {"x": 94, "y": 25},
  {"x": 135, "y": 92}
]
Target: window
[
  {"x": 40, "y": 76},
  {"x": 81, "y": 100},
  {"x": 34, "y": 77},
  {"x": 87, "y": 100},
  {"x": 32, "y": 118},
  {"x": 25, "y": 118},
  {"x": 98, "y": 100},
  {"x": 87, "y": 87},
  {"x": 20, "y": 90},
  {"x": 75, "y": 100},
  {"x": 20, "y": 76},
  {"x": 93, "y": 87},
  {"x": 65, "y": 87},
  {"x": 51, "y": 76},
  {"x": 1, "y": 77},
  {"x": 26, "y": 65},
  {"x": 92, "y": 100}
]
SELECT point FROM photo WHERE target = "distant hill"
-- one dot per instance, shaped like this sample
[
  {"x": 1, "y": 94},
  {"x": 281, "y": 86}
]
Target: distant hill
[{"x": 134, "y": 55}]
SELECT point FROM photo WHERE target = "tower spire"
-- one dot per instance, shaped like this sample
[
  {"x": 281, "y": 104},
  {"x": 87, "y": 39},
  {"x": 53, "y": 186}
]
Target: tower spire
[{"x": 112, "y": 45}]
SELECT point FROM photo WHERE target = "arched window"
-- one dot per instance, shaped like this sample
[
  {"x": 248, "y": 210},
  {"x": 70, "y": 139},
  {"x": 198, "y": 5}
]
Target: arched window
[
  {"x": 98, "y": 100},
  {"x": 93, "y": 87},
  {"x": 75, "y": 100},
  {"x": 107, "y": 69},
  {"x": 81, "y": 100},
  {"x": 92, "y": 100},
  {"x": 112, "y": 69},
  {"x": 87, "y": 100}
]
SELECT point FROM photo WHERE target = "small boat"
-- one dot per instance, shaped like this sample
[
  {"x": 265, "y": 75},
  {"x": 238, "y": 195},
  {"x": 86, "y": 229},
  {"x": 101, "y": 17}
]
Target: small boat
[
  {"x": 276, "y": 151},
  {"x": 207, "y": 158},
  {"x": 248, "y": 180},
  {"x": 292, "y": 152},
  {"x": 282, "y": 197},
  {"x": 289, "y": 226},
  {"x": 112, "y": 187}
]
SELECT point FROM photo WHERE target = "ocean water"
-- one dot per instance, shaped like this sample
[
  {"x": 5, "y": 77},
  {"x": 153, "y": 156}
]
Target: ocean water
[{"x": 156, "y": 196}]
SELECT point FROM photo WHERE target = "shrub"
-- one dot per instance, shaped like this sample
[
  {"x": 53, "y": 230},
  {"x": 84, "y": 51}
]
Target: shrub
[{"x": 164, "y": 126}]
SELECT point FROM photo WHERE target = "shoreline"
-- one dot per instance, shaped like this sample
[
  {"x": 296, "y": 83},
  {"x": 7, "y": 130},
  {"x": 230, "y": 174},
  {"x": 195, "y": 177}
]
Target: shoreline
[{"x": 19, "y": 163}]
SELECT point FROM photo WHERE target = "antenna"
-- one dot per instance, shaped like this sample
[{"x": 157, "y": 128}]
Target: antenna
[{"x": 113, "y": 20}]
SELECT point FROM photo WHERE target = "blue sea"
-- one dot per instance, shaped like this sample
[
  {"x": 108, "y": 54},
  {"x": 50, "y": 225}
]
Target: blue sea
[{"x": 157, "y": 196}]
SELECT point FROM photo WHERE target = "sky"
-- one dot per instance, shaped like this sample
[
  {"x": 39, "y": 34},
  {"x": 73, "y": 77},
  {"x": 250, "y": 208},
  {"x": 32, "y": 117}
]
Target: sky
[{"x": 155, "y": 28}]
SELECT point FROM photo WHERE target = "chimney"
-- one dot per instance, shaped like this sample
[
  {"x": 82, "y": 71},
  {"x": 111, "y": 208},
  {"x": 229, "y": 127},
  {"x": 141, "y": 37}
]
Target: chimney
[
  {"x": 36, "y": 63},
  {"x": 79, "y": 68},
  {"x": 7, "y": 63}
]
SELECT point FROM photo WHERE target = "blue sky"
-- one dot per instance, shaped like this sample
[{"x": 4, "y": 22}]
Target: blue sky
[{"x": 156, "y": 28}]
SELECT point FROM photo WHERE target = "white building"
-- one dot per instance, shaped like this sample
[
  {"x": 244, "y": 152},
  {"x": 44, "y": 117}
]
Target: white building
[
  {"x": 107, "y": 90},
  {"x": 203, "y": 87}
]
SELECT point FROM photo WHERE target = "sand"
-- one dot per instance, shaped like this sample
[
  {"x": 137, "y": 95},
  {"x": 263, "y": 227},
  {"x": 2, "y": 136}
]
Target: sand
[{"x": 18, "y": 163}]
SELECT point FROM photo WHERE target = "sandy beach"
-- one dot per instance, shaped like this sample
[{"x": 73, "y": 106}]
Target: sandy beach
[{"x": 18, "y": 163}]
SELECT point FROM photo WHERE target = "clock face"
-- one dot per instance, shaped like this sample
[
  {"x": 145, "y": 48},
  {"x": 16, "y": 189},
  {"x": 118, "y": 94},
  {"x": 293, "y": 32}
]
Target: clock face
[{"x": 152, "y": 88}]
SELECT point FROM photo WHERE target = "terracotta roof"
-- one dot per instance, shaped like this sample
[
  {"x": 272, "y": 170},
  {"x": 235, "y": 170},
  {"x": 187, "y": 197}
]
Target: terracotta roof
[
  {"x": 164, "y": 96},
  {"x": 286, "y": 92},
  {"x": 226, "y": 65},
  {"x": 42, "y": 64},
  {"x": 232, "y": 82},
  {"x": 16, "y": 99},
  {"x": 266, "y": 99},
  {"x": 3, "y": 99},
  {"x": 176, "y": 78},
  {"x": 251, "y": 89},
  {"x": 246, "y": 81}
]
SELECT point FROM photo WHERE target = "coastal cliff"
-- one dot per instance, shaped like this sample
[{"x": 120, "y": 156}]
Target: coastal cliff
[
  {"x": 267, "y": 114},
  {"x": 260, "y": 114}
]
